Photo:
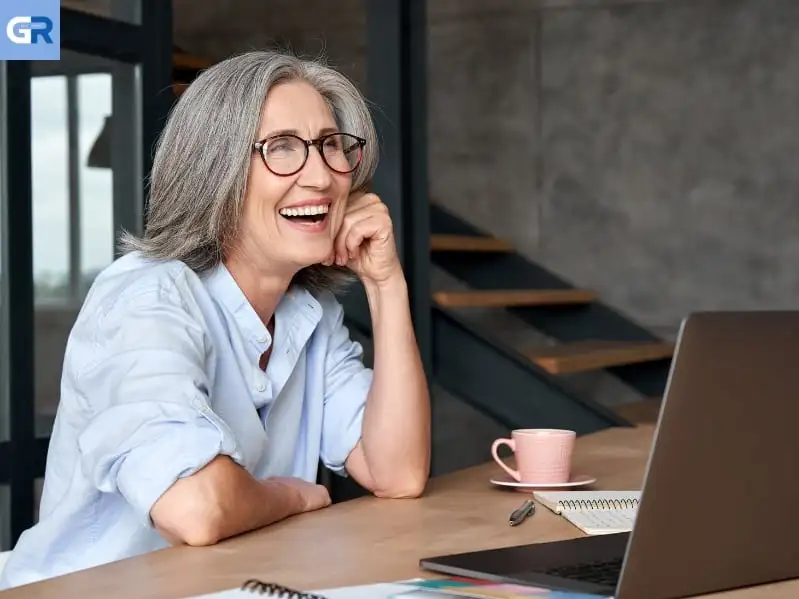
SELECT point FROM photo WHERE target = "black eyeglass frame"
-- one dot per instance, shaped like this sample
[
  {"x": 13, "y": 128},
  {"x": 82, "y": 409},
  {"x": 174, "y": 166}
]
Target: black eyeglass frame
[{"x": 259, "y": 146}]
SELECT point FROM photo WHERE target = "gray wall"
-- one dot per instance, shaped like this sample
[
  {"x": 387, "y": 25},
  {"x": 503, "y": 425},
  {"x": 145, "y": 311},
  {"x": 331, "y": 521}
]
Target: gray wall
[
  {"x": 647, "y": 150},
  {"x": 669, "y": 149}
]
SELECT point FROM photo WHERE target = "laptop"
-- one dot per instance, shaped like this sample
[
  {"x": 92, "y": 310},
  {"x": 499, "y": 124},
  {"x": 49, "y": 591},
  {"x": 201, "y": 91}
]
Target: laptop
[{"x": 719, "y": 504}]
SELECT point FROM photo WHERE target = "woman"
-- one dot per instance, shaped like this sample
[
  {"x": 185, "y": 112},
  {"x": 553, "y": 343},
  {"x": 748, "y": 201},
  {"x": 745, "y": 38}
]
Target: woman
[{"x": 209, "y": 370}]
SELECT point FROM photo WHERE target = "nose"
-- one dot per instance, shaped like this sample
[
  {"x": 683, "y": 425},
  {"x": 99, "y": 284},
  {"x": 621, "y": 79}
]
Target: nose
[{"x": 315, "y": 173}]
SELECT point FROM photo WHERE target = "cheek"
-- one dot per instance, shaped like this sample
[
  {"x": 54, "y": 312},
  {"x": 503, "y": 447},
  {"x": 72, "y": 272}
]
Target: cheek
[
  {"x": 266, "y": 191},
  {"x": 338, "y": 219},
  {"x": 344, "y": 184}
]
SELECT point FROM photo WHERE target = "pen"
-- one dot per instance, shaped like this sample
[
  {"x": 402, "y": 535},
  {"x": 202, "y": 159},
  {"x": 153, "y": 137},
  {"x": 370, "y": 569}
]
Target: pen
[{"x": 519, "y": 515}]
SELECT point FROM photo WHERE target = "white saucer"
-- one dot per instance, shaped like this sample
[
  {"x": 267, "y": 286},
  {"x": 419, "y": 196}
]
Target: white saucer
[{"x": 578, "y": 480}]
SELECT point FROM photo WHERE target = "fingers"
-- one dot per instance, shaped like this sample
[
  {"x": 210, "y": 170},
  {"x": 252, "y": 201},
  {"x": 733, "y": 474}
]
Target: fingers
[
  {"x": 361, "y": 199},
  {"x": 364, "y": 229},
  {"x": 331, "y": 258},
  {"x": 352, "y": 234},
  {"x": 368, "y": 221},
  {"x": 366, "y": 217},
  {"x": 357, "y": 207}
]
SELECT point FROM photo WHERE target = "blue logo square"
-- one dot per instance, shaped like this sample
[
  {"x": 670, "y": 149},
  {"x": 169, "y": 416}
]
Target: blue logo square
[{"x": 30, "y": 30}]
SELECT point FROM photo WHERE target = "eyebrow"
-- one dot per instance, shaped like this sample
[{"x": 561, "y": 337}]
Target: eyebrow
[{"x": 280, "y": 132}]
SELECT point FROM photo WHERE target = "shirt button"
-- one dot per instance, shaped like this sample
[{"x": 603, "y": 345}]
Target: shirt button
[
  {"x": 261, "y": 339},
  {"x": 260, "y": 386},
  {"x": 200, "y": 405}
]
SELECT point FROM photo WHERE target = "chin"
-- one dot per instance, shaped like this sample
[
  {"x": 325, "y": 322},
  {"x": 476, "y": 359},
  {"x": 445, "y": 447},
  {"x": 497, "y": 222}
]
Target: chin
[{"x": 311, "y": 259}]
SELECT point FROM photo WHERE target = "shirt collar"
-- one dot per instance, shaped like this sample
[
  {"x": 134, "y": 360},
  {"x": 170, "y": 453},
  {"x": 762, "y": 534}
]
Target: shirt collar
[{"x": 298, "y": 308}]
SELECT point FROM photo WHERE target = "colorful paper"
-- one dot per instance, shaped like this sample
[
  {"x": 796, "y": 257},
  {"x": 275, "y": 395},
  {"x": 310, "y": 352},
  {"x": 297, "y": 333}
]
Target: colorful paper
[{"x": 477, "y": 589}]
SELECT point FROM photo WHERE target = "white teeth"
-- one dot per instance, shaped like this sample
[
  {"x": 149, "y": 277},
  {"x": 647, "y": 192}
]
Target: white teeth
[{"x": 305, "y": 210}]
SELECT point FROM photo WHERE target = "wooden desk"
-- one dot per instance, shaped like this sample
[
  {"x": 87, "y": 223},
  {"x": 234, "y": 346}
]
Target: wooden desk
[{"x": 370, "y": 540}]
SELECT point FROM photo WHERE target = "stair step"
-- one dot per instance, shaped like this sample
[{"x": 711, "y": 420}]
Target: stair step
[
  {"x": 467, "y": 243},
  {"x": 182, "y": 61},
  {"x": 501, "y": 298},
  {"x": 581, "y": 356},
  {"x": 189, "y": 62},
  {"x": 645, "y": 411}
]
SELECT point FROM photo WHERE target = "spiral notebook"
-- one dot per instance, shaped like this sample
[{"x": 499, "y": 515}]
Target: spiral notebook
[
  {"x": 256, "y": 588},
  {"x": 594, "y": 512}
]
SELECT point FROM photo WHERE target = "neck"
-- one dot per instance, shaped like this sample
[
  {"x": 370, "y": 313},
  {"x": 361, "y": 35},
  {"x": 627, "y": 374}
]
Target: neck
[{"x": 261, "y": 288}]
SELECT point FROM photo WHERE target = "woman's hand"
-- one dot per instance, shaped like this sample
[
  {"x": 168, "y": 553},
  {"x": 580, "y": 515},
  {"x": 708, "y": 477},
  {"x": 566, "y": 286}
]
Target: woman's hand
[
  {"x": 365, "y": 242},
  {"x": 310, "y": 496}
]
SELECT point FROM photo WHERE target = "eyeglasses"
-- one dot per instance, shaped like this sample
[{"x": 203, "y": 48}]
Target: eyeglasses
[{"x": 285, "y": 155}]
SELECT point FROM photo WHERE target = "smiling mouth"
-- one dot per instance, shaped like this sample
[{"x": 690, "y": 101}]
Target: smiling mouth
[{"x": 305, "y": 214}]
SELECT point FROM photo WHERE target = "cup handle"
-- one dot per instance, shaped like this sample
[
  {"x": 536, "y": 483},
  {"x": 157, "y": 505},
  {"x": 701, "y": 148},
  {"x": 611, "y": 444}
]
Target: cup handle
[{"x": 495, "y": 446}]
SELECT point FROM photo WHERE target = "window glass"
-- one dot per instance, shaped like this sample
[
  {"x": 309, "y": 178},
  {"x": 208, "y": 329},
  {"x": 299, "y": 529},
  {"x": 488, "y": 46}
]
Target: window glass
[{"x": 86, "y": 185}]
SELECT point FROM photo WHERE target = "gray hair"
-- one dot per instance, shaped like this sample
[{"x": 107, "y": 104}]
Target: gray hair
[{"x": 202, "y": 159}]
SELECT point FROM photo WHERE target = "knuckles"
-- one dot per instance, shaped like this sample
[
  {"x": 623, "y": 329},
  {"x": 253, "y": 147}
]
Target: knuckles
[{"x": 378, "y": 210}]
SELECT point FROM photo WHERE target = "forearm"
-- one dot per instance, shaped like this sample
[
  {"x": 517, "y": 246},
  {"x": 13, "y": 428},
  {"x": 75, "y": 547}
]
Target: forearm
[
  {"x": 396, "y": 425},
  {"x": 221, "y": 501}
]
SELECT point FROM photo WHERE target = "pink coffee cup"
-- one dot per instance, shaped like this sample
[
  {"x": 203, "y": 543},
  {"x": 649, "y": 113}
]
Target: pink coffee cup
[{"x": 543, "y": 455}]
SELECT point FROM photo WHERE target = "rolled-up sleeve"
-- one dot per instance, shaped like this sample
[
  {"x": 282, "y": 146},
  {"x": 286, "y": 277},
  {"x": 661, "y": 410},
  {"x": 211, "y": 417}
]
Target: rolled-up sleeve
[
  {"x": 147, "y": 392},
  {"x": 347, "y": 384}
]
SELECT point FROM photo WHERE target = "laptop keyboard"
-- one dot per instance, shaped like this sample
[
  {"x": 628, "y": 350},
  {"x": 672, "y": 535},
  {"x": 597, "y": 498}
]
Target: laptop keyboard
[{"x": 600, "y": 572}]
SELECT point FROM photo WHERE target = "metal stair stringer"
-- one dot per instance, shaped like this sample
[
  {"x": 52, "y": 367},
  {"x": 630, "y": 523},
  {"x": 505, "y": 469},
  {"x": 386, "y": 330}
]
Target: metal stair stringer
[
  {"x": 503, "y": 384},
  {"x": 494, "y": 379},
  {"x": 510, "y": 270}
]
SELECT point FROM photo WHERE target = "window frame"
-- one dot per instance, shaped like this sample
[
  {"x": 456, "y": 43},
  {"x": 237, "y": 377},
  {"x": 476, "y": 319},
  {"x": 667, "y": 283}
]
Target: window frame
[{"x": 148, "y": 45}]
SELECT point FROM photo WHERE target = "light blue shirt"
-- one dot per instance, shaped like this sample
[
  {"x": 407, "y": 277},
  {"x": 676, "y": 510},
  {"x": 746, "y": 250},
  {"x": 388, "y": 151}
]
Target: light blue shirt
[{"x": 160, "y": 376}]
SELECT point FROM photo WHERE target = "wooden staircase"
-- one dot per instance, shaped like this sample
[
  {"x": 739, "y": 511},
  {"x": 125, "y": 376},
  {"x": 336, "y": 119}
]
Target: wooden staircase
[
  {"x": 577, "y": 356},
  {"x": 185, "y": 67},
  {"x": 467, "y": 243},
  {"x": 567, "y": 357},
  {"x": 503, "y": 298}
]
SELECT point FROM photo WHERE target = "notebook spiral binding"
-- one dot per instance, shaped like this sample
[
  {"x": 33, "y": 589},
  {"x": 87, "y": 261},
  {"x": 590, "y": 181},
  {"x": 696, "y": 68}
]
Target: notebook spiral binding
[
  {"x": 597, "y": 504},
  {"x": 271, "y": 589}
]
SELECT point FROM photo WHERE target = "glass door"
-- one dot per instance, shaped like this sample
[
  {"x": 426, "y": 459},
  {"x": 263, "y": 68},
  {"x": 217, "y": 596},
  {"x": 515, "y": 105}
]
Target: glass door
[{"x": 82, "y": 128}]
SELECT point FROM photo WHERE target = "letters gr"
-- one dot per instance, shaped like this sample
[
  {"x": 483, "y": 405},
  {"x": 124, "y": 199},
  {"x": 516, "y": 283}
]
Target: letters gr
[{"x": 29, "y": 30}]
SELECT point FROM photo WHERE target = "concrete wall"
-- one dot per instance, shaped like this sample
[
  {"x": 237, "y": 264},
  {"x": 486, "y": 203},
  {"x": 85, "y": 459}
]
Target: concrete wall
[{"x": 669, "y": 143}]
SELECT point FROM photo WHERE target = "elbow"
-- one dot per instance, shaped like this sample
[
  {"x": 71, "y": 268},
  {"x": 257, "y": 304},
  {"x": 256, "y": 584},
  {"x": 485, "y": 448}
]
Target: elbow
[
  {"x": 410, "y": 487},
  {"x": 194, "y": 510},
  {"x": 200, "y": 533},
  {"x": 400, "y": 492},
  {"x": 198, "y": 526}
]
